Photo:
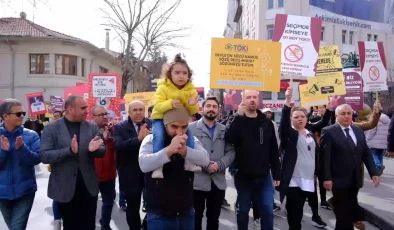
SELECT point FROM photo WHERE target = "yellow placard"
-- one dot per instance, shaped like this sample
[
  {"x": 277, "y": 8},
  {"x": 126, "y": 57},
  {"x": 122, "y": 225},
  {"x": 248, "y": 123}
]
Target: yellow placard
[
  {"x": 308, "y": 98},
  {"x": 329, "y": 78},
  {"x": 245, "y": 64},
  {"x": 145, "y": 97}
]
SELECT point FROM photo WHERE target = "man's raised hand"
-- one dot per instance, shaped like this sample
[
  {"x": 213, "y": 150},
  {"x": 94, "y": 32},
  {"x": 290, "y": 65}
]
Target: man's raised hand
[
  {"x": 95, "y": 143},
  {"x": 176, "y": 144},
  {"x": 74, "y": 144},
  {"x": 144, "y": 131},
  {"x": 5, "y": 144},
  {"x": 19, "y": 143}
]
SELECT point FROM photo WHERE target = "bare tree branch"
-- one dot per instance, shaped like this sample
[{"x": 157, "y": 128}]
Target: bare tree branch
[{"x": 144, "y": 23}]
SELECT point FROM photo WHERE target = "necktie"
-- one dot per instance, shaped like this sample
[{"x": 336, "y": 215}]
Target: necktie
[
  {"x": 138, "y": 128},
  {"x": 349, "y": 139}
]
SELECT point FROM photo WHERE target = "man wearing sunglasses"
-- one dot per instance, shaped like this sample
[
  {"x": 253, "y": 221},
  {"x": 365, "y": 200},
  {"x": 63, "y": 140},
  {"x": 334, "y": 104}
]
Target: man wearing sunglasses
[{"x": 18, "y": 156}]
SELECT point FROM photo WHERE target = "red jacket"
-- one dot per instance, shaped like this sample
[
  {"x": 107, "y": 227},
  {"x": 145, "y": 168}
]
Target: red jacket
[{"x": 106, "y": 166}]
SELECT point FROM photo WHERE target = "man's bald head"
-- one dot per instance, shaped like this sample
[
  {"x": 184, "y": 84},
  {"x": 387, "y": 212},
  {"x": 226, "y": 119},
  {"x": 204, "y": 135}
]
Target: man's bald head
[
  {"x": 251, "y": 100},
  {"x": 137, "y": 111},
  {"x": 342, "y": 107},
  {"x": 344, "y": 115}
]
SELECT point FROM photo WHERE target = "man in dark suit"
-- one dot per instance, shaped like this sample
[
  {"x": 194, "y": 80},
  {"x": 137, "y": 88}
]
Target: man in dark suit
[
  {"x": 343, "y": 149},
  {"x": 128, "y": 136},
  {"x": 70, "y": 145}
]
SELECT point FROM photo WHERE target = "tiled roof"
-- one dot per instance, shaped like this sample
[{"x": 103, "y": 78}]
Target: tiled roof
[{"x": 19, "y": 27}]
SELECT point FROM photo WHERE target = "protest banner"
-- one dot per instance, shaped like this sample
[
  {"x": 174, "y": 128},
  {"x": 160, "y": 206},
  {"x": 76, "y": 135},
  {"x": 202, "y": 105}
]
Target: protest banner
[
  {"x": 309, "y": 99},
  {"x": 81, "y": 90},
  {"x": 104, "y": 90},
  {"x": 201, "y": 96},
  {"x": 300, "y": 38},
  {"x": 245, "y": 64},
  {"x": 329, "y": 76},
  {"x": 55, "y": 103},
  {"x": 145, "y": 97},
  {"x": 354, "y": 90},
  {"x": 373, "y": 66},
  {"x": 36, "y": 103}
]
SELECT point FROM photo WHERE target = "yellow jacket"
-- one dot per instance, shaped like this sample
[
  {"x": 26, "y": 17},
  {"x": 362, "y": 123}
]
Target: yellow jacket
[{"x": 167, "y": 92}]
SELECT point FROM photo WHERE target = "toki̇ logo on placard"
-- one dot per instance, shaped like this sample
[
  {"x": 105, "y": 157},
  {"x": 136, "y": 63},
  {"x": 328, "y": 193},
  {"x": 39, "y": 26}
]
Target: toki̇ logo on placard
[{"x": 236, "y": 48}]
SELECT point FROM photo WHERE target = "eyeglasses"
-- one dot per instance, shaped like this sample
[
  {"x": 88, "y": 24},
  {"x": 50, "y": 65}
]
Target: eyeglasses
[
  {"x": 101, "y": 115},
  {"x": 19, "y": 114}
]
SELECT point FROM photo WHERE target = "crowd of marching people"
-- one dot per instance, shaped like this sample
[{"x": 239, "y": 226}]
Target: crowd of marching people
[{"x": 174, "y": 162}]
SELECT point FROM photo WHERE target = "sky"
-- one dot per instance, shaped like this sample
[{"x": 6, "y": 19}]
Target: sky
[{"x": 83, "y": 19}]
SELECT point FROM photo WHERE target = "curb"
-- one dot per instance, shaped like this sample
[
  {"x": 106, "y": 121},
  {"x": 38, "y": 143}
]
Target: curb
[{"x": 377, "y": 220}]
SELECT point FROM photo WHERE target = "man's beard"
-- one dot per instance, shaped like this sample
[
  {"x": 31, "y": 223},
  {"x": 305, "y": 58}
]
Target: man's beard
[{"x": 208, "y": 117}]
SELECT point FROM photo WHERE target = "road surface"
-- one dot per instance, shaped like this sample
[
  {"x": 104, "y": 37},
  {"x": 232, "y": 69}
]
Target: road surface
[{"x": 41, "y": 216}]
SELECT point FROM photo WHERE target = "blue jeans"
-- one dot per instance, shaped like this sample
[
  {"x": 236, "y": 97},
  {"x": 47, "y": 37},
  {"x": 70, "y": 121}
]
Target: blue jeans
[
  {"x": 159, "y": 132},
  {"x": 259, "y": 190},
  {"x": 16, "y": 212},
  {"x": 55, "y": 210},
  {"x": 161, "y": 222},
  {"x": 377, "y": 157},
  {"x": 108, "y": 193}
]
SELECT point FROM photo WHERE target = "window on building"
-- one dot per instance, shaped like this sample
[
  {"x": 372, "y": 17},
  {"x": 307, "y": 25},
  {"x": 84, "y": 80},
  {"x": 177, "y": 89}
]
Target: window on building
[
  {"x": 281, "y": 95},
  {"x": 267, "y": 95},
  {"x": 83, "y": 63},
  {"x": 270, "y": 31},
  {"x": 344, "y": 35},
  {"x": 375, "y": 38},
  {"x": 351, "y": 37},
  {"x": 281, "y": 3},
  {"x": 103, "y": 70},
  {"x": 66, "y": 64},
  {"x": 369, "y": 37},
  {"x": 39, "y": 64},
  {"x": 322, "y": 34},
  {"x": 270, "y": 4}
]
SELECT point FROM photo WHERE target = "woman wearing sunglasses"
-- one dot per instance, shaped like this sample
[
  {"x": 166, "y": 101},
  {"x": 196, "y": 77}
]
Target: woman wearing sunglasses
[{"x": 19, "y": 153}]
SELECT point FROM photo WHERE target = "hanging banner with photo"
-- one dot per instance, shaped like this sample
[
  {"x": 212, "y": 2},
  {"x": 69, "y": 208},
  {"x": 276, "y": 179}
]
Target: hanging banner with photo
[
  {"x": 36, "y": 103},
  {"x": 309, "y": 99},
  {"x": 201, "y": 95},
  {"x": 232, "y": 99},
  {"x": 55, "y": 103},
  {"x": 354, "y": 90},
  {"x": 81, "y": 90},
  {"x": 104, "y": 90},
  {"x": 329, "y": 76},
  {"x": 300, "y": 38},
  {"x": 373, "y": 66},
  {"x": 242, "y": 64}
]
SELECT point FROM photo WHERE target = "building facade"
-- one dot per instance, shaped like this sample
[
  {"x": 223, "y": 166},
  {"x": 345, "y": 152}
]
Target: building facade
[
  {"x": 36, "y": 59},
  {"x": 345, "y": 22}
]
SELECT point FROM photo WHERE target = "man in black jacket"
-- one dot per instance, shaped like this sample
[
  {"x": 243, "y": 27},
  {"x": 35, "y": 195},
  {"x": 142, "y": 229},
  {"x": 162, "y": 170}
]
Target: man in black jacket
[
  {"x": 34, "y": 124},
  {"x": 257, "y": 156},
  {"x": 128, "y": 136},
  {"x": 170, "y": 200},
  {"x": 343, "y": 150}
]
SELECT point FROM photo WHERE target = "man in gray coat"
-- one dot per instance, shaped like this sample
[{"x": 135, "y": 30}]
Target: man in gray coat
[
  {"x": 210, "y": 184},
  {"x": 70, "y": 145}
]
